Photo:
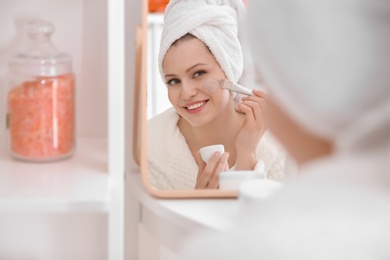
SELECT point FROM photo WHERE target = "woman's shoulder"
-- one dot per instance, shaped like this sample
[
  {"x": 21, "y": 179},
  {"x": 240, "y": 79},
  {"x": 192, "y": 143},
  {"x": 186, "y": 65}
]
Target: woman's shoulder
[
  {"x": 163, "y": 133},
  {"x": 163, "y": 123},
  {"x": 168, "y": 116}
]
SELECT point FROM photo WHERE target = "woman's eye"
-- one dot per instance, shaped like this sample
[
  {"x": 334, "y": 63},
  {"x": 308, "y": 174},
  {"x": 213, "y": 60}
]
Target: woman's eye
[
  {"x": 172, "y": 82},
  {"x": 199, "y": 73}
]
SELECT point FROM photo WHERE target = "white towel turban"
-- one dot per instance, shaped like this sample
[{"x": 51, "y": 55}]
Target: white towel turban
[
  {"x": 214, "y": 22},
  {"x": 327, "y": 63}
]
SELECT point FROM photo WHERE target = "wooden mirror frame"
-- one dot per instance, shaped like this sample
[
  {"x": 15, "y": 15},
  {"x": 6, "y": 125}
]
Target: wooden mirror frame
[{"x": 140, "y": 146}]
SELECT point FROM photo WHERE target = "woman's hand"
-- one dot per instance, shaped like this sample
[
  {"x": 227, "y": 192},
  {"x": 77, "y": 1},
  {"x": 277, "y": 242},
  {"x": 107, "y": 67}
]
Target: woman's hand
[
  {"x": 252, "y": 130},
  {"x": 208, "y": 174}
]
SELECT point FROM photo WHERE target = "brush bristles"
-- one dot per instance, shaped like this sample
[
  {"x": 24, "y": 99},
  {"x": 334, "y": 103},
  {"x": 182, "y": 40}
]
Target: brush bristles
[{"x": 225, "y": 84}]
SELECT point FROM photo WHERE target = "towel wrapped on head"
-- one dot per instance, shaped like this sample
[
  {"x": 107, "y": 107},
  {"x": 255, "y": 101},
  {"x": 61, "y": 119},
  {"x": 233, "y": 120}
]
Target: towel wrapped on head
[{"x": 215, "y": 23}]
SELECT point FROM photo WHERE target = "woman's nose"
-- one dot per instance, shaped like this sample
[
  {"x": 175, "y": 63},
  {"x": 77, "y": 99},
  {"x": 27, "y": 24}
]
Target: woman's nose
[{"x": 188, "y": 90}]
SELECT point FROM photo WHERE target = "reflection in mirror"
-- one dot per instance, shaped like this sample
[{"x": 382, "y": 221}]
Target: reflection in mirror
[{"x": 192, "y": 104}]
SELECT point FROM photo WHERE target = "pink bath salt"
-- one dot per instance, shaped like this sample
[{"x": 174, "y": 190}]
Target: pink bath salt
[{"x": 41, "y": 116}]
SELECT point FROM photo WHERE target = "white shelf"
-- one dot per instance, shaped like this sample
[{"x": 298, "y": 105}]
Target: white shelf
[
  {"x": 169, "y": 222},
  {"x": 215, "y": 214},
  {"x": 77, "y": 184},
  {"x": 101, "y": 40}
]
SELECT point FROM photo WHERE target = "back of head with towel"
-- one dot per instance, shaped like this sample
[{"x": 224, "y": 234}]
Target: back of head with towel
[{"x": 326, "y": 67}]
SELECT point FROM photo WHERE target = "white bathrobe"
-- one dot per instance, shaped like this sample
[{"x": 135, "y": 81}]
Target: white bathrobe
[
  {"x": 171, "y": 164},
  {"x": 339, "y": 208}
]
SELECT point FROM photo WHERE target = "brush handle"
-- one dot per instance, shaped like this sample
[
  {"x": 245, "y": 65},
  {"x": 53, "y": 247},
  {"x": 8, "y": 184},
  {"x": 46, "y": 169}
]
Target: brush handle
[{"x": 240, "y": 89}]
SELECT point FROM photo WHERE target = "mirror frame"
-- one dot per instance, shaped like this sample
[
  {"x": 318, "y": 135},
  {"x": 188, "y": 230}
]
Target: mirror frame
[{"x": 140, "y": 147}]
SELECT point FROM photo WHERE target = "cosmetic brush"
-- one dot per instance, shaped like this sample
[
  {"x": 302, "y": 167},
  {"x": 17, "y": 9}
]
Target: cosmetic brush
[{"x": 227, "y": 84}]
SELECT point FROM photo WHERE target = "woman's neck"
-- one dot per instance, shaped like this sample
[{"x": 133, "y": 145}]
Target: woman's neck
[{"x": 223, "y": 129}]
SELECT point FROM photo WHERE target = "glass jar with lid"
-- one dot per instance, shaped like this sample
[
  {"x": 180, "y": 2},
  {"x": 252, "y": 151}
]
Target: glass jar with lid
[{"x": 40, "y": 99}]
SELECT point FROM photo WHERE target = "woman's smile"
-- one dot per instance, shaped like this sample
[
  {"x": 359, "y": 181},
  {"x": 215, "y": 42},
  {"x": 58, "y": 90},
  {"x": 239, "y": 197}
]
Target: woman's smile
[{"x": 195, "y": 107}]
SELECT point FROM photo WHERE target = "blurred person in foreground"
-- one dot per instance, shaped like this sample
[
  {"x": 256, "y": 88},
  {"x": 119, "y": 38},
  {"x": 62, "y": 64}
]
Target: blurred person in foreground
[{"x": 326, "y": 67}]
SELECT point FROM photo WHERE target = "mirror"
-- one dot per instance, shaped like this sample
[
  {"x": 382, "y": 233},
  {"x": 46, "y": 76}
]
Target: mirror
[{"x": 174, "y": 171}]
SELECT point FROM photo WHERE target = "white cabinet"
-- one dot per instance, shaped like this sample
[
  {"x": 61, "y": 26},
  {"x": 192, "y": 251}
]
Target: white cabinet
[{"x": 75, "y": 208}]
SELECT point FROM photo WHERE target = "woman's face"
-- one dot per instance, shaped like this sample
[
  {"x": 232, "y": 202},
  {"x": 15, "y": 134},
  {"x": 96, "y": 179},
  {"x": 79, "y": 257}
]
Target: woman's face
[{"x": 192, "y": 75}]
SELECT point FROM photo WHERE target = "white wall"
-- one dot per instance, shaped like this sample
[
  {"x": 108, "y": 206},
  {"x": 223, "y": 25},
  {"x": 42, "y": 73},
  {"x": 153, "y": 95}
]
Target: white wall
[
  {"x": 81, "y": 31},
  {"x": 157, "y": 91}
]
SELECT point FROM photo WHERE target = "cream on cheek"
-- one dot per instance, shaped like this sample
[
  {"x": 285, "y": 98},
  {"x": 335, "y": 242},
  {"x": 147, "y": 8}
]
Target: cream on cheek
[
  {"x": 220, "y": 98},
  {"x": 211, "y": 85}
]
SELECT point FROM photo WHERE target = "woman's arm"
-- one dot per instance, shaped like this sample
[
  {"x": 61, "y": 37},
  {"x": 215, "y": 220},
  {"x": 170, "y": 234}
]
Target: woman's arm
[{"x": 253, "y": 129}]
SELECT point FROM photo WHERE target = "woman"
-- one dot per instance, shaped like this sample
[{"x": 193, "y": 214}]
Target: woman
[
  {"x": 326, "y": 64},
  {"x": 200, "y": 46}
]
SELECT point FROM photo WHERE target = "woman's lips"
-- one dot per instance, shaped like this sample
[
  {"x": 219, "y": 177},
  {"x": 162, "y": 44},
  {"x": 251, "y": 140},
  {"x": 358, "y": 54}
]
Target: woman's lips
[{"x": 195, "y": 107}]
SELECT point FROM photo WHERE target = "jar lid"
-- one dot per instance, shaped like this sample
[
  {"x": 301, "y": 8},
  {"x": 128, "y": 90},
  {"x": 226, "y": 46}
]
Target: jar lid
[{"x": 41, "y": 58}]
